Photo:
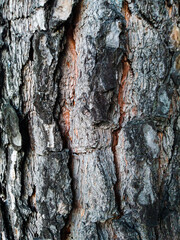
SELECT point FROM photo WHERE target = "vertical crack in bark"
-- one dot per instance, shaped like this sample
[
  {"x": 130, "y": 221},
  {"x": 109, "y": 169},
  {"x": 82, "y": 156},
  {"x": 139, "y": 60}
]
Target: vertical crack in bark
[
  {"x": 70, "y": 46},
  {"x": 25, "y": 148},
  {"x": 126, "y": 12},
  {"x": 6, "y": 219},
  {"x": 31, "y": 51},
  {"x": 156, "y": 233},
  {"x": 115, "y": 138},
  {"x": 3, "y": 24},
  {"x": 4, "y": 206},
  {"x": 121, "y": 103},
  {"x": 68, "y": 42},
  {"x": 24, "y": 120},
  {"x": 2, "y": 75},
  {"x": 26, "y": 143}
]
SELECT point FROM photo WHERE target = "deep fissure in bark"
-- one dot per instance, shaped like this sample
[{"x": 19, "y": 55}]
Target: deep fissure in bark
[
  {"x": 6, "y": 220},
  {"x": 115, "y": 137},
  {"x": 4, "y": 205}
]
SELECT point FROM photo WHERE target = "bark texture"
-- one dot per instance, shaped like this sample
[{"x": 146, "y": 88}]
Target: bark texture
[{"x": 89, "y": 119}]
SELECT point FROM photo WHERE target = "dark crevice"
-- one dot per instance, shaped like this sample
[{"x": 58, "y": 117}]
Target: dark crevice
[
  {"x": 31, "y": 58},
  {"x": 5, "y": 215},
  {"x": 9, "y": 27},
  {"x": 115, "y": 134},
  {"x": 24, "y": 131},
  {"x": 69, "y": 29},
  {"x": 2, "y": 76},
  {"x": 116, "y": 185},
  {"x": 174, "y": 146},
  {"x": 6, "y": 219},
  {"x": 125, "y": 68},
  {"x": 179, "y": 9},
  {"x": 56, "y": 109},
  {"x": 66, "y": 231},
  {"x": 156, "y": 233},
  {"x": 24, "y": 123},
  {"x": 168, "y": 2},
  {"x": 56, "y": 79},
  {"x": 48, "y": 11},
  {"x": 31, "y": 51},
  {"x": 99, "y": 231},
  {"x": 2, "y": 47},
  {"x": 2, "y": 21}
]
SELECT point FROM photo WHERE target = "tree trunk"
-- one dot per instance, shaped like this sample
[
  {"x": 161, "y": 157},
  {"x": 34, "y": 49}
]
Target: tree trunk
[{"x": 89, "y": 119}]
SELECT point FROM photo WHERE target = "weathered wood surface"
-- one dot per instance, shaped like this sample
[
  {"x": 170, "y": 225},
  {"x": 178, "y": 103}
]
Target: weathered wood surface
[{"x": 89, "y": 119}]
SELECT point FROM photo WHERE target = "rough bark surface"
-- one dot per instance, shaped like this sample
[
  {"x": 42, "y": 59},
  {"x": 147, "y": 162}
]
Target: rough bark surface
[{"x": 89, "y": 119}]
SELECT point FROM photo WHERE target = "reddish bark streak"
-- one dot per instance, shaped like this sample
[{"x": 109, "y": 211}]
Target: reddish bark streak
[
  {"x": 73, "y": 72},
  {"x": 126, "y": 12},
  {"x": 66, "y": 117},
  {"x": 72, "y": 77},
  {"x": 115, "y": 137},
  {"x": 170, "y": 11},
  {"x": 126, "y": 69}
]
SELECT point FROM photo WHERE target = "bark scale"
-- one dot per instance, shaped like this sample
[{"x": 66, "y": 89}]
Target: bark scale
[{"x": 89, "y": 119}]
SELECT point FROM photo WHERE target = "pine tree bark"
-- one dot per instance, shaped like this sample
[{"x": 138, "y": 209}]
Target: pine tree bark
[{"x": 89, "y": 119}]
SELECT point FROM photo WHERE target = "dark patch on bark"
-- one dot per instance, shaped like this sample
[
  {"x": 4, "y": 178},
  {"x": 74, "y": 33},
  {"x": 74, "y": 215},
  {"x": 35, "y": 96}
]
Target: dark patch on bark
[{"x": 6, "y": 218}]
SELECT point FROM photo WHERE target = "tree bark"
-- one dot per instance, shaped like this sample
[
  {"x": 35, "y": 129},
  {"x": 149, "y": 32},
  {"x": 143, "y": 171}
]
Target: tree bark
[{"x": 89, "y": 119}]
